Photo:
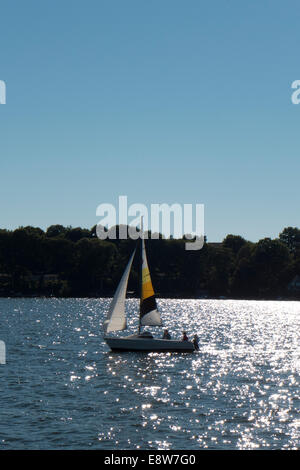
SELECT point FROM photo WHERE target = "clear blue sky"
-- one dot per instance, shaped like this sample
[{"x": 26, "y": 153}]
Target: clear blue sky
[{"x": 162, "y": 101}]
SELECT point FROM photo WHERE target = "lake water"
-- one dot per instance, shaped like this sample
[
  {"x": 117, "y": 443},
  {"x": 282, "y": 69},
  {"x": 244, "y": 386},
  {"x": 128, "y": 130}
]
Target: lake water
[{"x": 61, "y": 387}]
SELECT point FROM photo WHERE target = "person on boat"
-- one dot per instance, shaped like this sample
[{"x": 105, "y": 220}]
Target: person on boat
[
  {"x": 166, "y": 335},
  {"x": 184, "y": 337},
  {"x": 196, "y": 342}
]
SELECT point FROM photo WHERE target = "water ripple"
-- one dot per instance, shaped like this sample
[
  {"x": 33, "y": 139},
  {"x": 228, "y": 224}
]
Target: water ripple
[{"x": 64, "y": 389}]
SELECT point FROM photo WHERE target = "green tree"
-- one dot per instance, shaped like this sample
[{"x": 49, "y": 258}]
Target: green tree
[
  {"x": 243, "y": 276},
  {"x": 290, "y": 236},
  {"x": 262, "y": 269},
  {"x": 93, "y": 266},
  {"x": 56, "y": 231},
  {"x": 234, "y": 243},
  {"x": 77, "y": 233},
  {"x": 60, "y": 257},
  {"x": 220, "y": 269}
]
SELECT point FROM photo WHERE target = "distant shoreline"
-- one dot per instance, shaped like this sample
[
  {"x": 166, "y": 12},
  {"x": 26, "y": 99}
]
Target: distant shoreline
[{"x": 67, "y": 262}]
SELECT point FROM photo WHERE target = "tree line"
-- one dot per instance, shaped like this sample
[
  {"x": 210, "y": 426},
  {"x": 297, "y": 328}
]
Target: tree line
[{"x": 67, "y": 261}]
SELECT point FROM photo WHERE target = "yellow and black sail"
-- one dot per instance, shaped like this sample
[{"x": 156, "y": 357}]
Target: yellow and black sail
[{"x": 149, "y": 315}]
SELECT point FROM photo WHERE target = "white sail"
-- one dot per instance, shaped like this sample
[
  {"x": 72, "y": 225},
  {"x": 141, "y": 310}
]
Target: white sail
[
  {"x": 149, "y": 315},
  {"x": 116, "y": 318}
]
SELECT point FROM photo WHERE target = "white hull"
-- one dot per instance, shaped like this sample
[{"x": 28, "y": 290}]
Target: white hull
[{"x": 137, "y": 343}]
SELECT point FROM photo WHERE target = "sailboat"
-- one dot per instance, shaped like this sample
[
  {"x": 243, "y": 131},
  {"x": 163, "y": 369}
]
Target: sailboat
[{"x": 149, "y": 315}]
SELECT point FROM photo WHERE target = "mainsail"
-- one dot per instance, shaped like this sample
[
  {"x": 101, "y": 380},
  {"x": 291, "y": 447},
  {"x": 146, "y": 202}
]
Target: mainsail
[
  {"x": 116, "y": 318},
  {"x": 149, "y": 315}
]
